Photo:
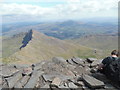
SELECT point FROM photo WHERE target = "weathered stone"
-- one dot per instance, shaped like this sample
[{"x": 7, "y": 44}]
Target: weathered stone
[
  {"x": 70, "y": 73},
  {"x": 70, "y": 61},
  {"x": 45, "y": 86},
  {"x": 80, "y": 70},
  {"x": 72, "y": 85},
  {"x": 33, "y": 80},
  {"x": 48, "y": 77},
  {"x": 92, "y": 82},
  {"x": 56, "y": 81},
  {"x": 8, "y": 71},
  {"x": 64, "y": 87},
  {"x": 70, "y": 67},
  {"x": 90, "y": 60},
  {"x": 78, "y": 61},
  {"x": 80, "y": 83},
  {"x": 41, "y": 81},
  {"x": 38, "y": 66},
  {"x": 22, "y": 82},
  {"x": 13, "y": 80},
  {"x": 95, "y": 63}
]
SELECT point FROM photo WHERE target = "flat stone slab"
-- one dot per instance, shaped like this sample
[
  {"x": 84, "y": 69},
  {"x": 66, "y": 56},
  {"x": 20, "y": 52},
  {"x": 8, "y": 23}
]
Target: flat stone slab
[
  {"x": 13, "y": 80},
  {"x": 48, "y": 77},
  {"x": 33, "y": 80},
  {"x": 92, "y": 82},
  {"x": 22, "y": 82},
  {"x": 72, "y": 85},
  {"x": 78, "y": 61},
  {"x": 8, "y": 72}
]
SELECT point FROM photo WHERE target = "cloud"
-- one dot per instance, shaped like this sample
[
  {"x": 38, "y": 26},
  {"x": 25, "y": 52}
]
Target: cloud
[{"x": 71, "y": 9}]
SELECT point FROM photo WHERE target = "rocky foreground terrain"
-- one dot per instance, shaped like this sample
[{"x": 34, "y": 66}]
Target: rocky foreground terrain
[{"x": 57, "y": 73}]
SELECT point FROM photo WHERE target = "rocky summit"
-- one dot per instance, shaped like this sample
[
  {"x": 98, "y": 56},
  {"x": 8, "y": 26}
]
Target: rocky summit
[{"x": 57, "y": 73}]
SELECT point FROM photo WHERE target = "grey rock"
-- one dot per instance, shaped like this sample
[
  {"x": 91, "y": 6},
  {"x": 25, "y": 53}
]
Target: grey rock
[
  {"x": 8, "y": 71},
  {"x": 46, "y": 86},
  {"x": 13, "y": 80},
  {"x": 80, "y": 70},
  {"x": 21, "y": 83},
  {"x": 92, "y": 82},
  {"x": 78, "y": 61},
  {"x": 70, "y": 61},
  {"x": 90, "y": 60},
  {"x": 72, "y": 85},
  {"x": 38, "y": 66},
  {"x": 48, "y": 78},
  {"x": 95, "y": 63},
  {"x": 79, "y": 83},
  {"x": 33, "y": 80},
  {"x": 56, "y": 81}
]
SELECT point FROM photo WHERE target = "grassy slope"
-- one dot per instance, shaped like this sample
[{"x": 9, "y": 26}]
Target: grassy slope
[
  {"x": 42, "y": 47},
  {"x": 104, "y": 43},
  {"x": 11, "y": 45}
]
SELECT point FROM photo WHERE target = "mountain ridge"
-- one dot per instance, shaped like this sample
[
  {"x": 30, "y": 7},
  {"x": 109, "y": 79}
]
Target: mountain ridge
[{"x": 42, "y": 47}]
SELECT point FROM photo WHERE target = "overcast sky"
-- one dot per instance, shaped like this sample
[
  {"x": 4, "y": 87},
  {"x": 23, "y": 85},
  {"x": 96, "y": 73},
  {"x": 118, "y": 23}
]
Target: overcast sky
[{"x": 36, "y": 10}]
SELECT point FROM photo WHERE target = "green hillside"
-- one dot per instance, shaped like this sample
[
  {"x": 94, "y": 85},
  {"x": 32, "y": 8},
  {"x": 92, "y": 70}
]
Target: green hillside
[
  {"x": 42, "y": 47},
  {"x": 11, "y": 45},
  {"x": 106, "y": 43}
]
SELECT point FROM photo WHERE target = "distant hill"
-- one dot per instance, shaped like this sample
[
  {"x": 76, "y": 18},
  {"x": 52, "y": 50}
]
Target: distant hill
[
  {"x": 35, "y": 46},
  {"x": 64, "y": 30},
  {"x": 101, "y": 42}
]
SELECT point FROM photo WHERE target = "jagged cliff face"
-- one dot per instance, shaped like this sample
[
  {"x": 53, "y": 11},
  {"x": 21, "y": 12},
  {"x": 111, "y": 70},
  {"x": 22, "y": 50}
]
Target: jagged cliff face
[
  {"x": 37, "y": 46},
  {"x": 26, "y": 39}
]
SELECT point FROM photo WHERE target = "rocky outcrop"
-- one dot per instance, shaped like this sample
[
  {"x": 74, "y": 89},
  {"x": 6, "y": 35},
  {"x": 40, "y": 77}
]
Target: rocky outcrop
[
  {"x": 26, "y": 39},
  {"x": 57, "y": 73}
]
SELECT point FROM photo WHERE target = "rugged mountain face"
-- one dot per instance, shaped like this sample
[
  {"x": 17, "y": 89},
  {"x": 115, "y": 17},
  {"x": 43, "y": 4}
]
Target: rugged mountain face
[{"x": 37, "y": 46}]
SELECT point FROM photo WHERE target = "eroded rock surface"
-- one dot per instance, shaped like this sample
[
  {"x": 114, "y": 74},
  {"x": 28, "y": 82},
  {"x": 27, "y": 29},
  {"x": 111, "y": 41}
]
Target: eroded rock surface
[{"x": 55, "y": 74}]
